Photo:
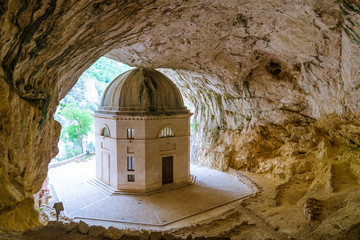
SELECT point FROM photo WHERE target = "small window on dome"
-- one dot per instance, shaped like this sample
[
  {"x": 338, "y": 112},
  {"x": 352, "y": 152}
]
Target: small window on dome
[
  {"x": 167, "y": 132},
  {"x": 105, "y": 132}
]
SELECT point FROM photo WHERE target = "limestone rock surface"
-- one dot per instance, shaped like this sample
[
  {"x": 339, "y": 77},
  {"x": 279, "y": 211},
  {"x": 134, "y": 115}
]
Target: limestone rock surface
[{"x": 275, "y": 86}]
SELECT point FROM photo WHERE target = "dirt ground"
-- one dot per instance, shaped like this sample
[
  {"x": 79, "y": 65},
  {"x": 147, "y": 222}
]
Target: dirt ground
[{"x": 278, "y": 213}]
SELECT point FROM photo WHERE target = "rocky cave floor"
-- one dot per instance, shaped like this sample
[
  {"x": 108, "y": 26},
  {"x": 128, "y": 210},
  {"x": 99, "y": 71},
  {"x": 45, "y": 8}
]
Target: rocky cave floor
[{"x": 276, "y": 211}]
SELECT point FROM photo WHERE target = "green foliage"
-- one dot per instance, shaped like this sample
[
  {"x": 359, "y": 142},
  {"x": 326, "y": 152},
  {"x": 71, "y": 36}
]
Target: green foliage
[
  {"x": 70, "y": 152},
  {"x": 105, "y": 69},
  {"x": 102, "y": 72},
  {"x": 80, "y": 97},
  {"x": 79, "y": 123}
]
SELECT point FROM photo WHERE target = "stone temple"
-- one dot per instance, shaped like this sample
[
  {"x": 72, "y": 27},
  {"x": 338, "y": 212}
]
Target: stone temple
[{"x": 142, "y": 131}]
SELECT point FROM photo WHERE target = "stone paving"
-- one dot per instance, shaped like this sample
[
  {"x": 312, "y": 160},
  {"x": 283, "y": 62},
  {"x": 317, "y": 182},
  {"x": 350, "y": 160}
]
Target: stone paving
[{"x": 84, "y": 201}]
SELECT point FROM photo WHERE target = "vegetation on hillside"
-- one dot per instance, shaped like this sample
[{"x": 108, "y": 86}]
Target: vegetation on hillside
[{"x": 74, "y": 111}]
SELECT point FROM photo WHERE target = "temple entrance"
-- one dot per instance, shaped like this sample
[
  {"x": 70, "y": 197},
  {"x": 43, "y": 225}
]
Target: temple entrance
[{"x": 167, "y": 170}]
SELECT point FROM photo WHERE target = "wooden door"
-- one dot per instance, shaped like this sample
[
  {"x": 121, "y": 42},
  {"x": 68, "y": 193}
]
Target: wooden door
[
  {"x": 167, "y": 170},
  {"x": 106, "y": 168}
]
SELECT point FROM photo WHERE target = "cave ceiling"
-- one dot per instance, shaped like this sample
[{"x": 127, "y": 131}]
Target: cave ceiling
[{"x": 276, "y": 81}]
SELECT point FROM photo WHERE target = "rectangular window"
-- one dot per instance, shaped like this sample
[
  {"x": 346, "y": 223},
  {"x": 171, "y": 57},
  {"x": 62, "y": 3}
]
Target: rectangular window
[
  {"x": 131, "y": 178},
  {"x": 131, "y": 163},
  {"x": 130, "y": 133}
]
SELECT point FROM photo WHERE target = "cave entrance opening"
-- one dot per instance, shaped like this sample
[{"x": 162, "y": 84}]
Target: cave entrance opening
[
  {"x": 76, "y": 157},
  {"x": 70, "y": 171},
  {"x": 75, "y": 110},
  {"x": 72, "y": 179}
]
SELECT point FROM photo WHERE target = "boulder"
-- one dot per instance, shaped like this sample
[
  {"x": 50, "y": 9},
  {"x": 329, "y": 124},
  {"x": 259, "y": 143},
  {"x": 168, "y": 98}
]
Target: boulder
[
  {"x": 83, "y": 227},
  {"x": 96, "y": 231},
  {"x": 113, "y": 233}
]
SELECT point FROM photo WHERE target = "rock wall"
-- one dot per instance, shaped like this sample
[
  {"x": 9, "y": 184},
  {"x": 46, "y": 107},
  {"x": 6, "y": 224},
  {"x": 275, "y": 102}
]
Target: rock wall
[{"x": 274, "y": 83}]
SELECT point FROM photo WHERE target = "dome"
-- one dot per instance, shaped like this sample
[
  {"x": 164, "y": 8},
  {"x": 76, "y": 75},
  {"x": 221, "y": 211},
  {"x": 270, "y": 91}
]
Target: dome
[{"x": 142, "y": 91}]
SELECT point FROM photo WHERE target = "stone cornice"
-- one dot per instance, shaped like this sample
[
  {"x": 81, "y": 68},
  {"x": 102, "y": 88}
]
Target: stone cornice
[{"x": 125, "y": 117}]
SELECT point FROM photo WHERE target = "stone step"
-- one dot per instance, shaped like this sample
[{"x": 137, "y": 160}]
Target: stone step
[
  {"x": 112, "y": 191},
  {"x": 102, "y": 186}
]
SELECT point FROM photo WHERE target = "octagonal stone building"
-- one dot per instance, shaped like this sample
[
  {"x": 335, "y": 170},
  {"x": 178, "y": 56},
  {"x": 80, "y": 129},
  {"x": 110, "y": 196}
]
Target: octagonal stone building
[{"x": 142, "y": 133}]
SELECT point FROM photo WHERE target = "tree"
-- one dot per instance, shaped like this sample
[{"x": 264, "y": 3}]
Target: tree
[{"x": 78, "y": 125}]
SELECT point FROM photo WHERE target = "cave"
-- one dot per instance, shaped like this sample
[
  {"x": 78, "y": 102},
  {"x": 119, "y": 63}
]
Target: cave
[{"x": 274, "y": 85}]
